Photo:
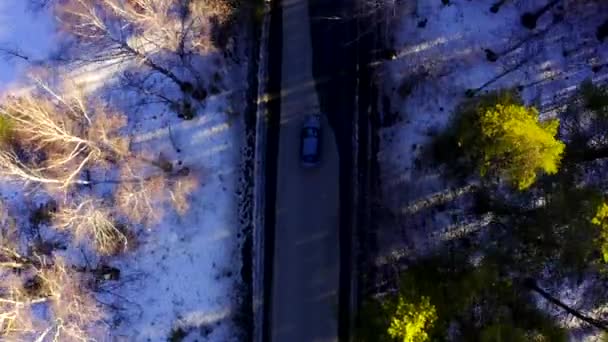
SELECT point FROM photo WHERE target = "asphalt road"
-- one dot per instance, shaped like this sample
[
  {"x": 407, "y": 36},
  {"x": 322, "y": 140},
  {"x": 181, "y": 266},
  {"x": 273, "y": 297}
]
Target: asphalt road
[{"x": 306, "y": 244}]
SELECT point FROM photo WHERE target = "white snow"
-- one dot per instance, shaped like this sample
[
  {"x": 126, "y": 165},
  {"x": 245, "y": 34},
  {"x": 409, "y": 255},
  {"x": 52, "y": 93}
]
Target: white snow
[
  {"x": 190, "y": 264},
  {"x": 186, "y": 269},
  {"x": 31, "y": 33}
]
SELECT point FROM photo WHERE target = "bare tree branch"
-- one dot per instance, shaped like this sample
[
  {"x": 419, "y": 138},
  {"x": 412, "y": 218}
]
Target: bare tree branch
[
  {"x": 92, "y": 220},
  {"x": 71, "y": 131}
]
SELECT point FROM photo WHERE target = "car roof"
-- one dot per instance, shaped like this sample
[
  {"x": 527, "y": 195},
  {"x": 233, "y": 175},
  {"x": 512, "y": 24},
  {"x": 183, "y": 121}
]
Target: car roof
[{"x": 310, "y": 146}]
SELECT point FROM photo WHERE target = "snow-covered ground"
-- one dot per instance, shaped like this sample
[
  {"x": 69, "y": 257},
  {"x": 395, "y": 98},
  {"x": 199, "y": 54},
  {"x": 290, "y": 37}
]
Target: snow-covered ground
[
  {"x": 440, "y": 54},
  {"x": 185, "y": 271},
  {"x": 29, "y": 33},
  {"x": 190, "y": 264},
  {"x": 187, "y": 267}
]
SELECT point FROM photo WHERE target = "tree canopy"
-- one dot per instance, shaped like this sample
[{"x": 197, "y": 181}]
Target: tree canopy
[
  {"x": 508, "y": 139},
  {"x": 411, "y": 320}
]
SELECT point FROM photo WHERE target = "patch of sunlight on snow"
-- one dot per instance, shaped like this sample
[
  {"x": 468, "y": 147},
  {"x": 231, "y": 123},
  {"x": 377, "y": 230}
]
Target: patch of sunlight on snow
[
  {"x": 402, "y": 178},
  {"x": 456, "y": 231},
  {"x": 155, "y": 134},
  {"x": 437, "y": 198},
  {"x": 461, "y": 53},
  {"x": 217, "y": 235},
  {"x": 91, "y": 77},
  {"x": 567, "y": 90},
  {"x": 427, "y": 45},
  {"x": 198, "y": 318},
  {"x": 163, "y": 132},
  {"x": 209, "y": 132},
  {"x": 198, "y": 121},
  {"x": 213, "y": 150},
  {"x": 547, "y": 64}
]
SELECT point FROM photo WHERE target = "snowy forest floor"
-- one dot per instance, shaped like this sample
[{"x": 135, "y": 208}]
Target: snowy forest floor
[{"x": 440, "y": 52}]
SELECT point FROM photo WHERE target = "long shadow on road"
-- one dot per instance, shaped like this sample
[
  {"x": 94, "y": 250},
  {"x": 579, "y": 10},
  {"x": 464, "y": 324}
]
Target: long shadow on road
[{"x": 334, "y": 68}]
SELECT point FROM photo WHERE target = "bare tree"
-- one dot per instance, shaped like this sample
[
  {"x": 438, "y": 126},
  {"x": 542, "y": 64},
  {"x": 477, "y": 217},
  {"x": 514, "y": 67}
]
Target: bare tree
[
  {"x": 76, "y": 315},
  {"x": 60, "y": 134},
  {"x": 15, "y": 308},
  {"x": 165, "y": 37},
  {"x": 31, "y": 281},
  {"x": 145, "y": 195},
  {"x": 57, "y": 135},
  {"x": 179, "y": 191},
  {"x": 91, "y": 220},
  {"x": 139, "y": 198}
]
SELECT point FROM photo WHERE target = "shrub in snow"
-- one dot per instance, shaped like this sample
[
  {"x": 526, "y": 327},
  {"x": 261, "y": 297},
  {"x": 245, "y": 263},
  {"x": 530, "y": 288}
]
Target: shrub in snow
[
  {"x": 136, "y": 199},
  {"x": 144, "y": 197},
  {"x": 91, "y": 220}
]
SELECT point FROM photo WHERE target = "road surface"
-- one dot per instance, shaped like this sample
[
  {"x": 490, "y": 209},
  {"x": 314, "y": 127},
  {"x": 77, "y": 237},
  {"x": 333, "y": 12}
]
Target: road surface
[
  {"x": 306, "y": 248},
  {"x": 335, "y": 55}
]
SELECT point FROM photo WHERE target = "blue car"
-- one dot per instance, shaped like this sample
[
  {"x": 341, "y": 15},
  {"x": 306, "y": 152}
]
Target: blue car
[{"x": 310, "y": 142}]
